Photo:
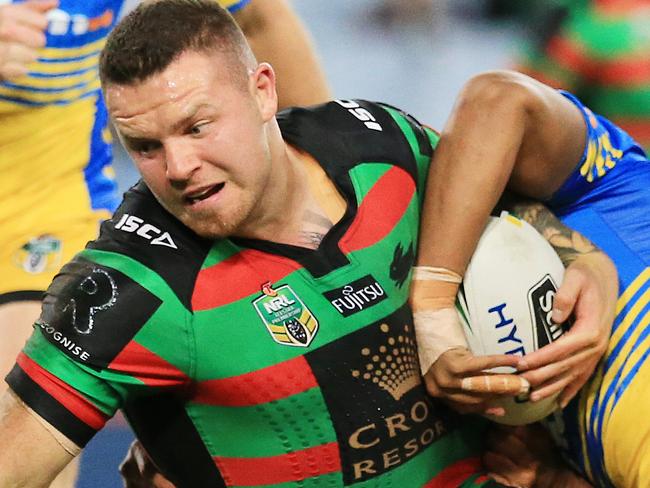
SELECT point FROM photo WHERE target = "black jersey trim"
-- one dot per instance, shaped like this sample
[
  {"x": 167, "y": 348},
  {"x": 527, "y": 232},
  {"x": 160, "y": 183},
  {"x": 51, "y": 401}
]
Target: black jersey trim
[
  {"x": 187, "y": 258},
  {"x": 164, "y": 428},
  {"x": 339, "y": 142},
  {"x": 48, "y": 407},
  {"x": 424, "y": 144},
  {"x": 22, "y": 296}
]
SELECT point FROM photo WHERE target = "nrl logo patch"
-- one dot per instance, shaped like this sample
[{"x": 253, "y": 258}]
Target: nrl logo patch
[{"x": 286, "y": 317}]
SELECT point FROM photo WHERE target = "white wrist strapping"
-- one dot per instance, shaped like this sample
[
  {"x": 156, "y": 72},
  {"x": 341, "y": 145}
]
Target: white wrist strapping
[{"x": 437, "y": 330}]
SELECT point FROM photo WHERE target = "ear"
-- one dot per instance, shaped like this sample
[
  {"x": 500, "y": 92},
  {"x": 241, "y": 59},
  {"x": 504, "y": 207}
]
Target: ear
[{"x": 262, "y": 84}]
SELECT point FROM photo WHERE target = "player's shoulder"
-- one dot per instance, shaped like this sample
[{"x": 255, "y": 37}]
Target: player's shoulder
[
  {"x": 357, "y": 131},
  {"x": 143, "y": 234}
]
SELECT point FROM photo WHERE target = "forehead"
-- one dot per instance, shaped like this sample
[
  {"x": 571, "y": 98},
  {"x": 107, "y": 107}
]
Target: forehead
[{"x": 191, "y": 74}]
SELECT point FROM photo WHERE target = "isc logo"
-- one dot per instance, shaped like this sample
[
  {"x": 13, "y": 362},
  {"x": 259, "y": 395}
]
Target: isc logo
[
  {"x": 131, "y": 223},
  {"x": 360, "y": 113}
]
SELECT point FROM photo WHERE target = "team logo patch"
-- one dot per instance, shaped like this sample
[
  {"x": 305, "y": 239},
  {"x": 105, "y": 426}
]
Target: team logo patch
[
  {"x": 39, "y": 254},
  {"x": 285, "y": 316},
  {"x": 401, "y": 264}
]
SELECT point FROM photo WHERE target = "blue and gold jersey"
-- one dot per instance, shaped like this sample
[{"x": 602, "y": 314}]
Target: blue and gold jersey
[
  {"x": 55, "y": 149},
  {"x": 607, "y": 199},
  {"x": 53, "y": 124}
]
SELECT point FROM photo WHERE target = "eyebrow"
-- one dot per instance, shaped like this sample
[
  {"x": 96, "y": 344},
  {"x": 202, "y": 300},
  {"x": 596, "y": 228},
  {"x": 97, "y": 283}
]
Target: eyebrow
[{"x": 191, "y": 113}]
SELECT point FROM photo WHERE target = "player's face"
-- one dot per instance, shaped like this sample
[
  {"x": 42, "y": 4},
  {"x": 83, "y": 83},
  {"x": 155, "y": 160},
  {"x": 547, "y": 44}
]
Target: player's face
[{"x": 198, "y": 136}]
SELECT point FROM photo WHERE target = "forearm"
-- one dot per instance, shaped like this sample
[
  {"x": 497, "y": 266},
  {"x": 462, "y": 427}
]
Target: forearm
[
  {"x": 30, "y": 456},
  {"x": 568, "y": 243},
  {"x": 277, "y": 36}
]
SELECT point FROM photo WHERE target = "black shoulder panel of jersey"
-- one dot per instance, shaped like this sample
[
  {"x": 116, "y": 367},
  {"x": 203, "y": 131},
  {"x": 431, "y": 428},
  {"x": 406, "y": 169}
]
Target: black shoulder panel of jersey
[
  {"x": 344, "y": 133},
  {"x": 91, "y": 312},
  {"x": 143, "y": 230}
]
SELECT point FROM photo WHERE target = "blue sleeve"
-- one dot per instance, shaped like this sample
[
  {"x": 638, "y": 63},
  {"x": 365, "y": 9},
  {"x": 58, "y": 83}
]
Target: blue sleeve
[{"x": 608, "y": 151}]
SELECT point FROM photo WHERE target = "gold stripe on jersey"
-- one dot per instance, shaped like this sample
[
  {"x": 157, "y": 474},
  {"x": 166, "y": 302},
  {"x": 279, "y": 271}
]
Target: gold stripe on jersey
[
  {"x": 64, "y": 67},
  {"x": 71, "y": 52},
  {"x": 624, "y": 361},
  {"x": 58, "y": 83},
  {"x": 45, "y": 97}
]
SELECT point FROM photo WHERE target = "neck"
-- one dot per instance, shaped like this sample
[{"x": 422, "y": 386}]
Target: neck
[{"x": 288, "y": 212}]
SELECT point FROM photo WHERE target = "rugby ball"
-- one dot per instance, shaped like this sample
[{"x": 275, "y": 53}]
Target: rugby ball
[{"x": 505, "y": 302}]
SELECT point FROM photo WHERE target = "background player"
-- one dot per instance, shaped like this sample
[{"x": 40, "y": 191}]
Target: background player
[
  {"x": 600, "y": 51},
  {"x": 55, "y": 151},
  {"x": 597, "y": 183}
]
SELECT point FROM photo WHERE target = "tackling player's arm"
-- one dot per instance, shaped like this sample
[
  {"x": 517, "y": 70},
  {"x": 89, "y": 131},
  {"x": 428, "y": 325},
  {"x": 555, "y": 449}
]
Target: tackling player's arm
[
  {"x": 508, "y": 130},
  {"x": 277, "y": 35},
  {"x": 33, "y": 452}
]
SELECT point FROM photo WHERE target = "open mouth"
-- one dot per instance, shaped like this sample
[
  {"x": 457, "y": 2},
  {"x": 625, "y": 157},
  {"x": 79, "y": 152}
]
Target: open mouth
[{"x": 207, "y": 193}]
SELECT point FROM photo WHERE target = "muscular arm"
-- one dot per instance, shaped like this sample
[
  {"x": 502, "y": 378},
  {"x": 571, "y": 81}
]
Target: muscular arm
[
  {"x": 505, "y": 130},
  {"x": 31, "y": 455},
  {"x": 277, "y": 36}
]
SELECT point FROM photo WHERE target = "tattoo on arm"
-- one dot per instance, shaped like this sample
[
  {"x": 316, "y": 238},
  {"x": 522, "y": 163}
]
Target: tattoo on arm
[{"x": 568, "y": 243}]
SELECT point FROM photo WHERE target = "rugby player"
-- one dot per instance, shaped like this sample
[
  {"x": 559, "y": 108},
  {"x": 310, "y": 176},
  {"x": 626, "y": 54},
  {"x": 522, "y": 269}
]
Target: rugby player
[
  {"x": 240, "y": 306},
  {"x": 595, "y": 178}
]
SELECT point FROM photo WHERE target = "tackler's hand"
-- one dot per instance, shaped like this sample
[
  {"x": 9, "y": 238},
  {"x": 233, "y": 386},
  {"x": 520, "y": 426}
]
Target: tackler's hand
[
  {"x": 22, "y": 29},
  {"x": 588, "y": 293}
]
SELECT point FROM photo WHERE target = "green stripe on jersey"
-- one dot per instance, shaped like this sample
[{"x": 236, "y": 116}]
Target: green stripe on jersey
[
  {"x": 331, "y": 480},
  {"x": 82, "y": 378},
  {"x": 261, "y": 430}
]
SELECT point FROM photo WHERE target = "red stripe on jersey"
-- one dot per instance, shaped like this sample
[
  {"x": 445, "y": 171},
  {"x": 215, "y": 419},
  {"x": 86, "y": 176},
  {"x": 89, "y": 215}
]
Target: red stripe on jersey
[
  {"x": 66, "y": 395},
  {"x": 381, "y": 209},
  {"x": 626, "y": 73},
  {"x": 457, "y": 473},
  {"x": 294, "y": 466},
  {"x": 139, "y": 362},
  {"x": 263, "y": 386},
  {"x": 571, "y": 56},
  {"x": 237, "y": 277}
]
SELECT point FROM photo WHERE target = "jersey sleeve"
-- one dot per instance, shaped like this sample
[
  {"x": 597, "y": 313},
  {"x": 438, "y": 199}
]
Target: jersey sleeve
[
  {"x": 609, "y": 151},
  {"x": 233, "y": 5},
  {"x": 93, "y": 346}
]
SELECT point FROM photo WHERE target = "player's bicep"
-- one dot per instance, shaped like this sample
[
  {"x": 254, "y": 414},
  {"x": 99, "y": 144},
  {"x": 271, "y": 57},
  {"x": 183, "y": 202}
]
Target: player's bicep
[
  {"x": 33, "y": 452},
  {"x": 553, "y": 142}
]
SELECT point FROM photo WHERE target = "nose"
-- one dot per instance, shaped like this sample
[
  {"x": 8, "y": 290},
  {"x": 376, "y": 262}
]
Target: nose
[{"x": 181, "y": 161}]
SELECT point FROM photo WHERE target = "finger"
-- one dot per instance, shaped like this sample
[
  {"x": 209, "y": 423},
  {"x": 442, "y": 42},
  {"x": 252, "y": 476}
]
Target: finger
[
  {"x": 477, "y": 364},
  {"x": 28, "y": 14},
  {"x": 569, "y": 344},
  {"x": 498, "y": 384},
  {"x": 572, "y": 390},
  {"x": 22, "y": 34},
  {"x": 567, "y": 295},
  {"x": 585, "y": 360},
  {"x": 552, "y": 388}
]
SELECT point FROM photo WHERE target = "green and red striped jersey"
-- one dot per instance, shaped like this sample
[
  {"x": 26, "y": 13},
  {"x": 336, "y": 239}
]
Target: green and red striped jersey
[
  {"x": 242, "y": 362},
  {"x": 600, "y": 51}
]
